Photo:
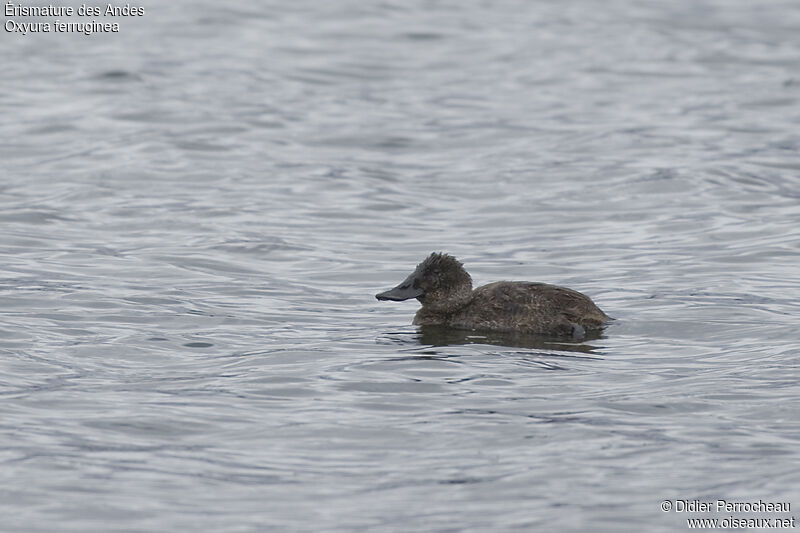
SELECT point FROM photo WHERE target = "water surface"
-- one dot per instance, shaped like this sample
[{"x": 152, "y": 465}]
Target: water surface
[{"x": 196, "y": 213}]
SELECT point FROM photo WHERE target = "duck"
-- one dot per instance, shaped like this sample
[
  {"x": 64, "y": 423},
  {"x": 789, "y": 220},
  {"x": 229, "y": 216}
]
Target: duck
[{"x": 444, "y": 288}]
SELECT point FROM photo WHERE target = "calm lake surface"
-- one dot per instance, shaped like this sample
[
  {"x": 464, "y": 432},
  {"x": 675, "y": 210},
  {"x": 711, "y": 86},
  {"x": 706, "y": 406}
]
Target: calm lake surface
[{"x": 196, "y": 213}]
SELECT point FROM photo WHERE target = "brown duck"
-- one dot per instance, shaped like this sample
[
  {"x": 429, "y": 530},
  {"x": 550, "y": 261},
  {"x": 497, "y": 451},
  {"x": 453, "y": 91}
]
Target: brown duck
[{"x": 444, "y": 289}]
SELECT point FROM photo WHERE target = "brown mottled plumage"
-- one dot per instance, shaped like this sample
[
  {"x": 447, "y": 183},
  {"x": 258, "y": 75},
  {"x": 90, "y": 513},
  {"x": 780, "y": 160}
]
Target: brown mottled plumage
[{"x": 444, "y": 289}]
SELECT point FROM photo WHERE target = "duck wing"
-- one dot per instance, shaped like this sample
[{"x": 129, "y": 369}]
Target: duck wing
[{"x": 533, "y": 307}]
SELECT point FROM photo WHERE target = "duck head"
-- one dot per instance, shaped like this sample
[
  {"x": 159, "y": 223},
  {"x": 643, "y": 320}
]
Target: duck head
[{"x": 440, "y": 283}]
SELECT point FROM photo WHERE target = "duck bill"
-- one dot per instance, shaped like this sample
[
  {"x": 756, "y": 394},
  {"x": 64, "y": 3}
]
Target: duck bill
[{"x": 404, "y": 291}]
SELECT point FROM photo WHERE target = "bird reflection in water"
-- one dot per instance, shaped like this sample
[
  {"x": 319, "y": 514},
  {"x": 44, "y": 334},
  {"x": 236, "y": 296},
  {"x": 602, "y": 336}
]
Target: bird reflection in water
[{"x": 445, "y": 336}]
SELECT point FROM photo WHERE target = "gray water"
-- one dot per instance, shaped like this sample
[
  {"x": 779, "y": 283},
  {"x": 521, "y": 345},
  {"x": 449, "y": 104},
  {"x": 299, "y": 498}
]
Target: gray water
[{"x": 196, "y": 212}]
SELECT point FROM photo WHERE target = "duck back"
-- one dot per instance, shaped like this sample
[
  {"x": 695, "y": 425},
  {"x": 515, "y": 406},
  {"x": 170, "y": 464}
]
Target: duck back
[{"x": 521, "y": 306}]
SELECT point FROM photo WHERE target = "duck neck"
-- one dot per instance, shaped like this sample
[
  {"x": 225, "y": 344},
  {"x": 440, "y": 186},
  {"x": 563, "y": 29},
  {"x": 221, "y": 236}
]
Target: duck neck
[{"x": 436, "y": 310}]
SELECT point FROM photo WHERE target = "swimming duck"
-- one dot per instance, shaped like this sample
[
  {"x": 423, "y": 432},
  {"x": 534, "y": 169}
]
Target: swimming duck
[{"x": 444, "y": 289}]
